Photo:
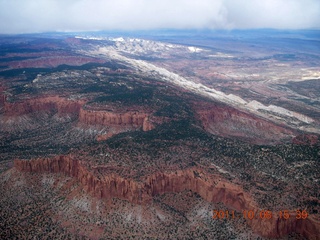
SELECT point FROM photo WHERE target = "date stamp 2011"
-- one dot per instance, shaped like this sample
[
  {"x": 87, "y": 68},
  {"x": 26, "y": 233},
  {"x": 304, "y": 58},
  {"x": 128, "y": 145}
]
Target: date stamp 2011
[{"x": 262, "y": 214}]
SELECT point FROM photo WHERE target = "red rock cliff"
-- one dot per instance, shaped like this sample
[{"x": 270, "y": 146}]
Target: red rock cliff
[
  {"x": 92, "y": 117},
  {"x": 230, "y": 122},
  {"x": 63, "y": 106},
  {"x": 210, "y": 187},
  {"x": 43, "y": 104},
  {"x": 107, "y": 118},
  {"x": 106, "y": 187}
]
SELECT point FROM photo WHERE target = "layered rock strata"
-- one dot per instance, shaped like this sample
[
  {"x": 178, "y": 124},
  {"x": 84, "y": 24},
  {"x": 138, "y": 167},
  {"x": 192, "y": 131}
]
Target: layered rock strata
[
  {"x": 230, "y": 122},
  {"x": 43, "y": 104},
  {"x": 106, "y": 118},
  {"x": 216, "y": 119},
  {"x": 63, "y": 106},
  {"x": 210, "y": 187}
]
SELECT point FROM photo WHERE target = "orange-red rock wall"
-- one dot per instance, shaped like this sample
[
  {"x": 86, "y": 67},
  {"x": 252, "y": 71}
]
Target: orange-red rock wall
[
  {"x": 44, "y": 104},
  {"x": 63, "y": 106},
  {"x": 210, "y": 187},
  {"x": 230, "y": 122},
  {"x": 91, "y": 117}
]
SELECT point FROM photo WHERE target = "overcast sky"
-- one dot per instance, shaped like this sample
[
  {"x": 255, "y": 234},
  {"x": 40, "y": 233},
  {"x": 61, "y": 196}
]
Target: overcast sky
[{"x": 22, "y": 16}]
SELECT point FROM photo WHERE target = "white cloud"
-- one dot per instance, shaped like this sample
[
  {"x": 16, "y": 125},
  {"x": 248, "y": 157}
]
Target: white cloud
[
  {"x": 18, "y": 16},
  {"x": 291, "y": 14}
]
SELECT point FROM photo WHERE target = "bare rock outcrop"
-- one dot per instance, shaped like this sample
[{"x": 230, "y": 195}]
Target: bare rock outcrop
[
  {"x": 230, "y": 122},
  {"x": 51, "y": 104},
  {"x": 211, "y": 187},
  {"x": 147, "y": 125},
  {"x": 91, "y": 117},
  {"x": 64, "y": 106}
]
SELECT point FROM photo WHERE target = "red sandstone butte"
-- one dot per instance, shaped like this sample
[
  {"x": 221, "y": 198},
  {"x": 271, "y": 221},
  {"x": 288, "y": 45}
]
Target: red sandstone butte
[{"x": 210, "y": 187}]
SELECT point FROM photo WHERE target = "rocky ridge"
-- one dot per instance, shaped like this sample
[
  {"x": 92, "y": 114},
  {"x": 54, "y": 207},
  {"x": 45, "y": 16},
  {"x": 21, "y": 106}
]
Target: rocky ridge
[
  {"x": 210, "y": 187},
  {"x": 274, "y": 113},
  {"x": 63, "y": 106},
  {"x": 230, "y": 122}
]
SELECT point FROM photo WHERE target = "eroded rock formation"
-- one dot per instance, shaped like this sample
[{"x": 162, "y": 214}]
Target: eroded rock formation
[
  {"x": 216, "y": 119},
  {"x": 64, "y": 106},
  {"x": 106, "y": 118},
  {"x": 230, "y": 122},
  {"x": 53, "y": 104},
  {"x": 211, "y": 187}
]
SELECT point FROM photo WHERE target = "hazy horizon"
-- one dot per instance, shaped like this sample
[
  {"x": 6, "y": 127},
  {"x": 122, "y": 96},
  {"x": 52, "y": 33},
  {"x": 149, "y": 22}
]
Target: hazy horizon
[{"x": 34, "y": 16}]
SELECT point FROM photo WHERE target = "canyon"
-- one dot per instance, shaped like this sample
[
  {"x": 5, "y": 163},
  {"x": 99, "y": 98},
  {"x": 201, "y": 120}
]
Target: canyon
[
  {"x": 145, "y": 136},
  {"x": 212, "y": 188},
  {"x": 215, "y": 118}
]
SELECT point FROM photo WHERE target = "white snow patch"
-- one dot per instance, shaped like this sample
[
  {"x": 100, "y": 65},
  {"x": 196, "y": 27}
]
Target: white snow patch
[
  {"x": 221, "y": 55},
  {"x": 90, "y": 38},
  {"x": 83, "y": 203},
  {"x": 20, "y": 182},
  {"x": 194, "y": 49},
  {"x": 280, "y": 110},
  {"x": 134, "y": 215},
  {"x": 161, "y": 216},
  {"x": 6, "y": 176},
  {"x": 119, "y": 39},
  {"x": 275, "y": 113},
  {"x": 47, "y": 180}
]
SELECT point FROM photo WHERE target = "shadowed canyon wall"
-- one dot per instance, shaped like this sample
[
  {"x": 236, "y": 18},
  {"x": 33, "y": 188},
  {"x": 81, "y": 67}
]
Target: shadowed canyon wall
[
  {"x": 229, "y": 122},
  {"x": 210, "y": 187}
]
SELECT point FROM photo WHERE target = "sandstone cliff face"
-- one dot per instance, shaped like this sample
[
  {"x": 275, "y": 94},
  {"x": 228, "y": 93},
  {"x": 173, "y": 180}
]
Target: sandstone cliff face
[
  {"x": 147, "y": 125},
  {"x": 64, "y": 106},
  {"x": 107, "y": 187},
  {"x": 50, "y": 104},
  {"x": 108, "y": 118},
  {"x": 91, "y": 117},
  {"x": 210, "y": 187},
  {"x": 229, "y": 122}
]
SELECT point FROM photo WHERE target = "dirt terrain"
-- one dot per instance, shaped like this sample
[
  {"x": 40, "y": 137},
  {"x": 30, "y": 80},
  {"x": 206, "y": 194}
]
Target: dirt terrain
[{"x": 127, "y": 138}]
